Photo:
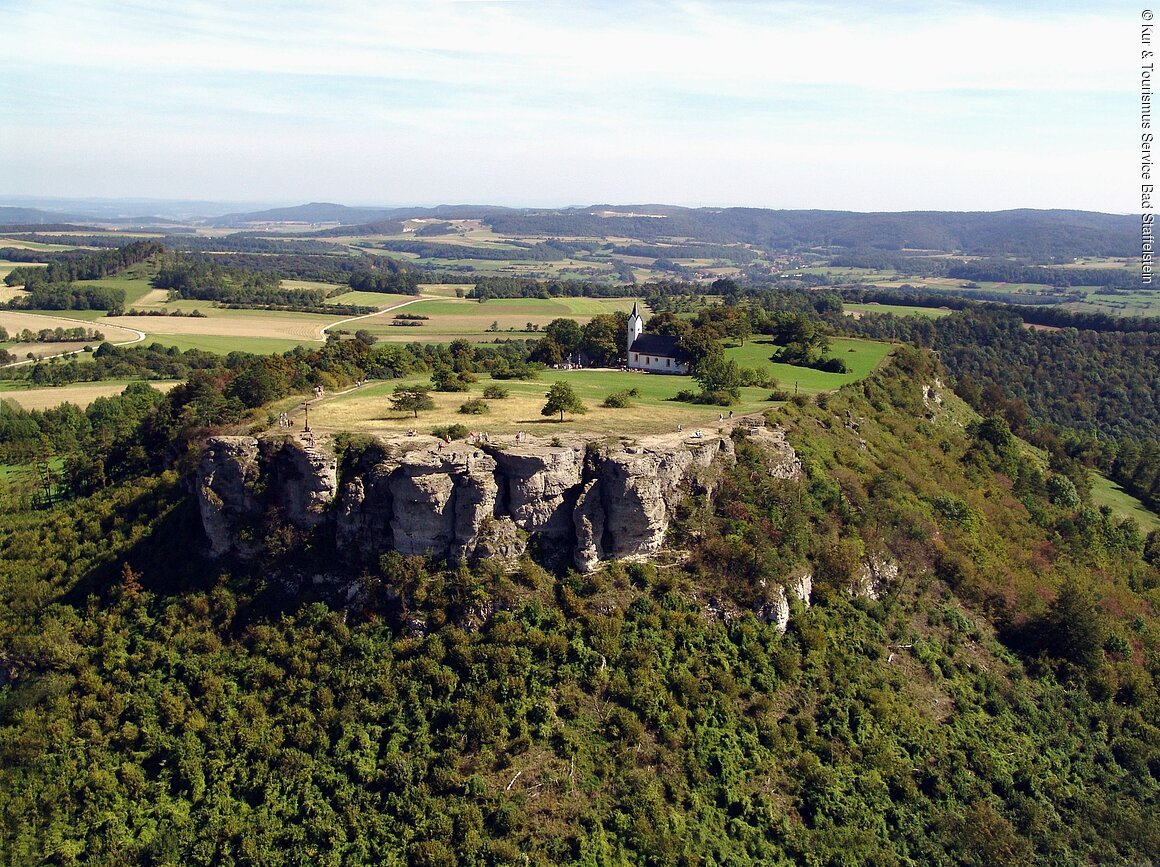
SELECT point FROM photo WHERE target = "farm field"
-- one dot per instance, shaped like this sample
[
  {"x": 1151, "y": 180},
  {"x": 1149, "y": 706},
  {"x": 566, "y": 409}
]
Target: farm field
[
  {"x": 44, "y": 350},
  {"x": 453, "y": 318},
  {"x": 896, "y": 309},
  {"x": 222, "y": 322},
  {"x": 7, "y": 293},
  {"x": 220, "y": 330},
  {"x": 308, "y": 284},
  {"x": 7, "y": 267},
  {"x": 1139, "y": 303},
  {"x": 369, "y": 299},
  {"x": 37, "y": 245},
  {"x": 445, "y": 290},
  {"x": 17, "y": 320},
  {"x": 224, "y": 345},
  {"x": 79, "y": 393}
]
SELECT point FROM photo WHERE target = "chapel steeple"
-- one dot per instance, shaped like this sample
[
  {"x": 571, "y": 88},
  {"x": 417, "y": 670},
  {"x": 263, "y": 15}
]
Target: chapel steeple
[{"x": 635, "y": 324}]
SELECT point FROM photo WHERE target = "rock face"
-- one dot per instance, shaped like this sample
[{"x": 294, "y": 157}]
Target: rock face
[
  {"x": 780, "y": 458},
  {"x": 225, "y": 484},
  {"x": 587, "y": 502},
  {"x": 623, "y": 511},
  {"x": 876, "y": 575}
]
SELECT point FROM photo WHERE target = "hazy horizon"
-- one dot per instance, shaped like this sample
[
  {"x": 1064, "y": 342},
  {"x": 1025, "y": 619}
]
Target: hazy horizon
[
  {"x": 210, "y": 208},
  {"x": 952, "y": 106}
]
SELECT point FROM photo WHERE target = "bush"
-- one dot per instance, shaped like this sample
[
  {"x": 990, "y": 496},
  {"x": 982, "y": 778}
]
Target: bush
[
  {"x": 686, "y": 395},
  {"x": 778, "y": 394},
  {"x": 618, "y": 400},
  {"x": 495, "y": 392},
  {"x": 451, "y": 431},
  {"x": 474, "y": 406},
  {"x": 757, "y": 377}
]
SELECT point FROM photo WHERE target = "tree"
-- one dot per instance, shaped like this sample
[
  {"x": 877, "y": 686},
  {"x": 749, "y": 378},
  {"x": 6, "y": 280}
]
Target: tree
[
  {"x": 699, "y": 346},
  {"x": 604, "y": 337},
  {"x": 720, "y": 380},
  {"x": 566, "y": 332},
  {"x": 411, "y": 398},
  {"x": 562, "y": 399},
  {"x": 1075, "y": 628}
]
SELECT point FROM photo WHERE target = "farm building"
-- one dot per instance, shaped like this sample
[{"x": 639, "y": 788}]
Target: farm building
[{"x": 656, "y": 353}]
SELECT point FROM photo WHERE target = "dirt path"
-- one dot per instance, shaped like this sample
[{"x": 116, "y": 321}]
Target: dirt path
[{"x": 376, "y": 313}]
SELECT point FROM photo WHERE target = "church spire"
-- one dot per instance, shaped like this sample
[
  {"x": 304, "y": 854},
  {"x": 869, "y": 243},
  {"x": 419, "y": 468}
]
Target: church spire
[{"x": 635, "y": 324}]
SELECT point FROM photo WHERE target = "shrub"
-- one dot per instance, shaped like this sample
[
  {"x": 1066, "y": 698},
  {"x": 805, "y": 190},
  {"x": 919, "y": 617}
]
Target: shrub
[
  {"x": 1061, "y": 492},
  {"x": 452, "y": 431},
  {"x": 474, "y": 406},
  {"x": 495, "y": 392},
  {"x": 618, "y": 400}
]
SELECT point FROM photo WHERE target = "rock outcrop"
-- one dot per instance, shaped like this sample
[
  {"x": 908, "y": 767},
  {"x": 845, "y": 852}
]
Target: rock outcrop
[
  {"x": 226, "y": 478},
  {"x": 874, "y": 577},
  {"x": 417, "y": 495}
]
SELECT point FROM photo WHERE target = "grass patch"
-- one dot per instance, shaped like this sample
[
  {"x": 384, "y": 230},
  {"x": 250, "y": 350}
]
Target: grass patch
[
  {"x": 1105, "y": 492},
  {"x": 36, "y": 245},
  {"x": 861, "y": 356}
]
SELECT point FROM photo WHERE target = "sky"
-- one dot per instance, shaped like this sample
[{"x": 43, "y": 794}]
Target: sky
[{"x": 871, "y": 107}]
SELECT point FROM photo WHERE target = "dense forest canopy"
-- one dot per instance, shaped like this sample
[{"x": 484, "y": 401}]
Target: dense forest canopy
[
  {"x": 995, "y": 702},
  {"x": 989, "y": 708}
]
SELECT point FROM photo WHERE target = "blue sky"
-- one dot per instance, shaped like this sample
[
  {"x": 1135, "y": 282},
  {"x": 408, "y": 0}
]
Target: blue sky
[{"x": 938, "y": 105}]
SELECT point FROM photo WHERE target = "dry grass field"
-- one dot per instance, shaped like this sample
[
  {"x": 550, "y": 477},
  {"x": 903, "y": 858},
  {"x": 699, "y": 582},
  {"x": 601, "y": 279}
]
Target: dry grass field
[
  {"x": 44, "y": 350},
  {"x": 81, "y": 394},
  {"x": 368, "y": 410},
  {"x": 231, "y": 323},
  {"x": 452, "y": 318},
  {"x": 16, "y": 321},
  {"x": 152, "y": 298},
  {"x": 7, "y": 293}
]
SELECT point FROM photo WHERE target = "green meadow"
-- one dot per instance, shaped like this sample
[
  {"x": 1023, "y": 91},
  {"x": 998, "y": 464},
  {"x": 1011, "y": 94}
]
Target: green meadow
[
  {"x": 1105, "y": 492},
  {"x": 861, "y": 357}
]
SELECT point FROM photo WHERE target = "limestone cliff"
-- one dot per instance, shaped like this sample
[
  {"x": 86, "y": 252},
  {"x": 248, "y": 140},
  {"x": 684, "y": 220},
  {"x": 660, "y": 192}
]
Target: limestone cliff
[{"x": 584, "y": 501}]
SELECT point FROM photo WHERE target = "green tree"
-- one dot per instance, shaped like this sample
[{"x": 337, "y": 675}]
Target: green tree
[
  {"x": 1075, "y": 627},
  {"x": 411, "y": 398},
  {"x": 562, "y": 399},
  {"x": 719, "y": 378},
  {"x": 604, "y": 337},
  {"x": 566, "y": 332}
]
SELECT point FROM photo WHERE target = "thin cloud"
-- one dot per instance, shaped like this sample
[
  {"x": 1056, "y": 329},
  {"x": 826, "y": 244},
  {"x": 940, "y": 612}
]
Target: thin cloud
[{"x": 716, "y": 92}]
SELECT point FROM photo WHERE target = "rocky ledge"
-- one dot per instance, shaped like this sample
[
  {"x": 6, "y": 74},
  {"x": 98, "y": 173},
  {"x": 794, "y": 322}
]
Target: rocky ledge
[{"x": 580, "y": 501}]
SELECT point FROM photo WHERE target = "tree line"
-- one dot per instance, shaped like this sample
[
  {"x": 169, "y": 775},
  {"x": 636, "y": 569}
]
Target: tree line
[{"x": 90, "y": 266}]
